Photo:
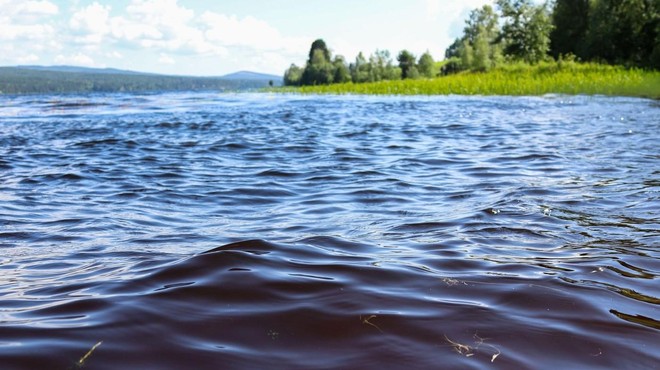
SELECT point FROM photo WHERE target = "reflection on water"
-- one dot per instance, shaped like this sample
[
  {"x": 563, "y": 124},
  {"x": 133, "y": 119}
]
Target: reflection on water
[{"x": 265, "y": 231}]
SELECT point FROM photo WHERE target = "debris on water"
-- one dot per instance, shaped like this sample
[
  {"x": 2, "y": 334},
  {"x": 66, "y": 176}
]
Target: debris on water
[
  {"x": 83, "y": 359},
  {"x": 367, "y": 322},
  {"x": 452, "y": 282},
  {"x": 469, "y": 351}
]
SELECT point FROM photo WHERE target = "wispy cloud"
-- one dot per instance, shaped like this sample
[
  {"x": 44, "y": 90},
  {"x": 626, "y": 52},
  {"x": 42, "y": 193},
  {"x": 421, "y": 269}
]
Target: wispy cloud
[
  {"x": 165, "y": 27},
  {"x": 77, "y": 59}
]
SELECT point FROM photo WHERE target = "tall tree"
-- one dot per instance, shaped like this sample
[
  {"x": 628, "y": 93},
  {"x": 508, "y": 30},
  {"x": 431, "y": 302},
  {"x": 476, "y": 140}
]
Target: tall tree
[
  {"x": 425, "y": 65},
  {"x": 293, "y": 76},
  {"x": 485, "y": 55},
  {"x": 341, "y": 72},
  {"x": 526, "y": 31},
  {"x": 570, "y": 20},
  {"x": 466, "y": 54},
  {"x": 319, "y": 69},
  {"x": 453, "y": 51},
  {"x": 482, "y": 20},
  {"x": 623, "y": 31},
  {"x": 319, "y": 44},
  {"x": 480, "y": 47},
  {"x": 407, "y": 64},
  {"x": 384, "y": 67},
  {"x": 360, "y": 69}
]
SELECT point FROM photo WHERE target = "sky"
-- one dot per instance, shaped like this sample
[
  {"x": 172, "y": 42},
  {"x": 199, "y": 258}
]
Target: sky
[{"x": 213, "y": 38}]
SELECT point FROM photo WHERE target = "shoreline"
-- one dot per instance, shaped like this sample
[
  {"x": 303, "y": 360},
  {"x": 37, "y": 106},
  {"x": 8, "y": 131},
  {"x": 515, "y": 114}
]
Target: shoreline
[{"x": 512, "y": 80}]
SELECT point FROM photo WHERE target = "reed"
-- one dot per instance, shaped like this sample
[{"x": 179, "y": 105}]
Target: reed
[{"x": 561, "y": 77}]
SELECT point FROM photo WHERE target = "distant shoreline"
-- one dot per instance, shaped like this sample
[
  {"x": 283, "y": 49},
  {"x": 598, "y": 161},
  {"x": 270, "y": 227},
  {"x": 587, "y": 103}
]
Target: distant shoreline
[{"x": 72, "y": 80}]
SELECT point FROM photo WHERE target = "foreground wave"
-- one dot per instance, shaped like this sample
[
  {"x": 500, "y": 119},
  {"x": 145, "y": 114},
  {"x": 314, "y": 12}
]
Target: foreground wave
[{"x": 324, "y": 303}]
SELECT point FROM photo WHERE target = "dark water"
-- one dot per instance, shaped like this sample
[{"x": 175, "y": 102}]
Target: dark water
[{"x": 199, "y": 231}]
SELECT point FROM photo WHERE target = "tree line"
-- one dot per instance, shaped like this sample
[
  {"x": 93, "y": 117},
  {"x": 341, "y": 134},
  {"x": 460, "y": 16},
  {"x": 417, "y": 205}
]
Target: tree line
[
  {"x": 625, "y": 32},
  {"x": 321, "y": 68},
  {"x": 613, "y": 31},
  {"x": 15, "y": 80}
]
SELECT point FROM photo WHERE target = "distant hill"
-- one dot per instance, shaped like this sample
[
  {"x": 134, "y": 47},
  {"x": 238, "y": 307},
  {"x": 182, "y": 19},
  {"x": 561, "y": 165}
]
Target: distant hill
[
  {"x": 247, "y": 75},
  {"x": 74, "y": 69},
  {"x": 68, "y": 79}
]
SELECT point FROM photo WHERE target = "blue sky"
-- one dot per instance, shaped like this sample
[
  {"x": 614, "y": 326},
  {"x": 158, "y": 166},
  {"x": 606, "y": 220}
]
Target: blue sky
[{"x": 206, "y": 38}]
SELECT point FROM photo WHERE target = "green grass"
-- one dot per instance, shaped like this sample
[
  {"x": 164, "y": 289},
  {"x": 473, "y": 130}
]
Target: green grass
[{"x": 514, "y": 79}]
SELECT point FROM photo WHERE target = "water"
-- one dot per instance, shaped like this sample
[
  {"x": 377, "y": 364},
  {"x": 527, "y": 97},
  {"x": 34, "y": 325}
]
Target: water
[{"x": 214, "y": 231}]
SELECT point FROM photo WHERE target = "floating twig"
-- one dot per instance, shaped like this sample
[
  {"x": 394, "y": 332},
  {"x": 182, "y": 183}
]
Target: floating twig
[
  {"x": 82, "y": 360},
  {"x": 366, "y": 321}
]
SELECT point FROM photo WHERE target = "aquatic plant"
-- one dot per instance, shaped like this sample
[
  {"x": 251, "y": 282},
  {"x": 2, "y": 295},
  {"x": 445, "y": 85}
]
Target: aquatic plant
[{"x": 562, "y": 77}]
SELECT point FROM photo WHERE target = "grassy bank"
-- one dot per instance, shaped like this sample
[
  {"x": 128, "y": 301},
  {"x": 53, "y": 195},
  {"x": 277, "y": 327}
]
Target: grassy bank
[{"x": 515, "y": 79}]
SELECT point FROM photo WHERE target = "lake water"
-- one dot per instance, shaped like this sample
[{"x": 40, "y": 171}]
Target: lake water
[{"x": 254, "y": 231}]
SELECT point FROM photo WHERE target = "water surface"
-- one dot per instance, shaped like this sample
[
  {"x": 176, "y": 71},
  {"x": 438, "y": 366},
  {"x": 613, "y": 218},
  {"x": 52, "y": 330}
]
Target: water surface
[{"x": 208, "y": 231}]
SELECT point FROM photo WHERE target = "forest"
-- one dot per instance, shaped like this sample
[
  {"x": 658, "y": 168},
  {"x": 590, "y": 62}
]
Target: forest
[
  {"x": 612, "y": 32},
  {"x": 18, "y": 80}
]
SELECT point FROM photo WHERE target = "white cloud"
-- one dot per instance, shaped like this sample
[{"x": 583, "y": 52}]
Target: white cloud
[
  {"x": 165, "y": 14},
  {"x": 166, "y": 59},
  {"x": 452, "y": 9},
  {"x": 37, "y": 8},
  {"x": 27, "y": 20},
  {"x": 113, "y": 54},
  {"x": 33, "y": 32},
  {"x": 27, "y": 29},
  {"x": 133, "y": 31},
  {"x": 28, "y": 58},
  {"x": 248, "y": 31},
  {"x": 27, "y": 10},
  {"x": 165, "y": 27},
  {"x": 77, "y": 59},
  {"x": 161, "y": 26},
  {"x": 456, "y": 12},
  {"x": 91, "y": 24}
]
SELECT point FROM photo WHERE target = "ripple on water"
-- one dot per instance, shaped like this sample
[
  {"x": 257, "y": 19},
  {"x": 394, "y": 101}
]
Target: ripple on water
[{"x": 197, "y": 230}]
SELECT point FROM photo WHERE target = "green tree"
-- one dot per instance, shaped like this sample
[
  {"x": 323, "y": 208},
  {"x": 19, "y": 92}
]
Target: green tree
[
  {"x": 570, "y": 20},
  {"x": 407, "y": 64},
  {"x": 341, "y": 72},
  {"x": 293, "y": 76},
  {"x": 383, "y": 66},
  {"x": 482, "y": 20},
  {"x": 479, "y": 48},
  {"x": 623, "y": 31},
  {"x": 318, "y": 44},
  {"x": 426, "y": 65},
  {"x": 482, "y": 59},
  {"x": 466, "y": 55},
  {"x": 360, "y": 69},
  {"x": 376, "y": 66},
  {"x": 453, "y": 51},
  {"x": 526, "y": 31},
  {"x": 392, "y": 72},
  {"x": 319, "y": 69}
]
